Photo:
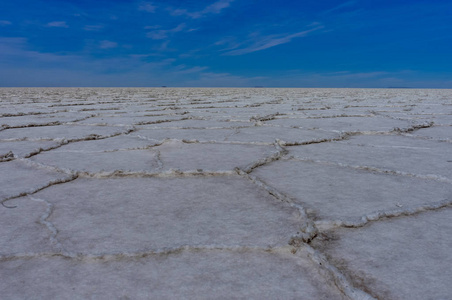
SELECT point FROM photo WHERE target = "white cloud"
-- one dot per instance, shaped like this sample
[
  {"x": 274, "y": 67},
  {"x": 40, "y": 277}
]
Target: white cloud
[
  {"x": 229, "y": 42},
  {"x": 163, "y": 33},
  {"x": 164, "y": 47},
  {"x": 22, "y": 67},
  {"x": 217, "y": 7},
  {"x": 93, "y": 27},
  {"x": 16, "y": 49},
  {"x": 182, "y": 69},
  {"x": 214, "y": 8},
  {"x": 4, "y": 23},
  {"x": 258, "y": 44},
  {"x": 148, "y": 7},
  {"x": 314, "y": 24},
  {"x": 107, "y": 44},
  {"x": 152, "y": 27},
  {"x": 340, "y": 6},
  {"x": 60, "y": 24}
]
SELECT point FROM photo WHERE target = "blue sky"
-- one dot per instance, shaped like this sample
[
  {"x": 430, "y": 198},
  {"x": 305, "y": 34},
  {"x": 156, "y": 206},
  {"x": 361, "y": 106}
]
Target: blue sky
[{"x": 239, "y": 43}]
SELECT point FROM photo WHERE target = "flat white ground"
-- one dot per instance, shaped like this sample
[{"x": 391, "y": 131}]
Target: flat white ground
[{"x": 167, "y": 193}]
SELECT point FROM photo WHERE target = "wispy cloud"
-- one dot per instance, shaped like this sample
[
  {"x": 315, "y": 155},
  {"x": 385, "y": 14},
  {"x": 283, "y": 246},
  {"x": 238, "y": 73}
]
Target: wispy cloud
[
  {"x": 107, "y": 44},
  {"x": 217, "y": 7},
  {"x": 152, "y": 27},
  {"x": 214, "y": 8},
  {"x": 47, "y": 69},
  {"x": 355, "y": 75},
  {"x": 93, "y": 27},
  {"x": 4, "y": 23},
  {"x": 164, "y": 47},
  {"x": 148, "y": 7},
  {"x": 224, "y": 79},
  {"x": 15, "y": 50},
  {"x": 60, "y": 24},
  {"x": 20, "y": 66},
  {"x": 314, "y": 24},
  {"x": 182, "y": 69},
  {"x": 340, "y": 6},
  {"x": 163, "y": 33},
  {"x": 229, "y": 42},
  {"x": 265, "y": 42}
]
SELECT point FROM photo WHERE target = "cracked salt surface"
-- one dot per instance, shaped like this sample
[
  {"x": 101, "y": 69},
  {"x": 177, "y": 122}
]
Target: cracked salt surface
[
  {"x": 94, "y": 162},
  {"x": 19, "y": 177},
  {"x": 21, "y": 230},
  {"x": 333, "y": 192},
  {"x": 210, "y": 157},
  {"x": 225, "y": 193},
  {"x": 397, "y": 259},
  {"x": 130, "y": 214},
  {"x": 442, "y": 133},
  {"x": 345, "y": 124},
  {"x": 42, "y": 119},
  {"x": 286, "y": 135},
  {"x": 22, "y": 149},
  {"x": 201, "y": 135},
  {"x": 67, "y": 132},
  {"x": 399, "y": 154},
  {"x": 121, "y": 120},
  {"x": 186, "y": 274}
]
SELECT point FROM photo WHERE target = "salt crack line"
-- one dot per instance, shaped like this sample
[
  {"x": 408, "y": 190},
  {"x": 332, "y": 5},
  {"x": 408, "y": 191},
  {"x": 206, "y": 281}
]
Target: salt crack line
[
  {"x": 396, "y": 130},
  {"x": 51, "y": 183},
  {"x": 159, "y": 160},
  {"x": 311, "y": 108},
  {"x": 413, "y": 128},
  {"x": 115, "y": 256},
  {"x": 308, "y": 230},
  {"x": 236, "y": 131},
  {"x": 274, "y": 157},
  {"x": 161, "y": 121},
  {"x": 82, "y": 104},
  {"x": 197, "y": 127},
  {"x": 342, "y": 137},
  {"x": 159, "y": 142},
  {"x": 171, "y": 173},
  {"x": 39, "y": 165},
  {"x": 265, "y": 118},
  {"x": 195, "y": 141},
  {"x": 133, "y": 174},
  {"x": 335, "y": 275},
  {"x": 340, "y": 116},
  {"x": 379, "y": 113},
  {"x": 20, "y": 114},
  {"x": 428, "y": 138},
  {"x": 373, "y": 169},
  {"x": 324, "y": 225},
  {"x": 44, "y": 221},
  {"x": 40, "y": 149},
  {"x": 7, "y": 156},
  {"x": 81, "y": 119},
  {"x": 96, "y": 109},
  {"x": 89, "y": 137},
  {"x": 54, "y": 123}
]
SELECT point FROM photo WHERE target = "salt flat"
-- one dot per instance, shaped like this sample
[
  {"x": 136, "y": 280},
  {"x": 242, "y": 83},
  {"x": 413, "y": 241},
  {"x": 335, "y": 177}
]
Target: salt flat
[{"x": 138, "y": 193}]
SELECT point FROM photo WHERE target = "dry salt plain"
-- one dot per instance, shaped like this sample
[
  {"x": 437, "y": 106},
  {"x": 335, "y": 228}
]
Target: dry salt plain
[{"x": 225, "y": 194}]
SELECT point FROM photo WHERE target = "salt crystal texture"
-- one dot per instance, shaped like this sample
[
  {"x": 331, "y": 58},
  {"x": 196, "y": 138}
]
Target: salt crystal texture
[{"x": 138, "y": 193}]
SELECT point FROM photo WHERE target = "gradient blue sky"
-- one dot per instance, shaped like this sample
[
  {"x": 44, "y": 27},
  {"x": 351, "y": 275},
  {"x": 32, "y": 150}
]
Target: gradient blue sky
[{"x": 356, "y": 43}]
